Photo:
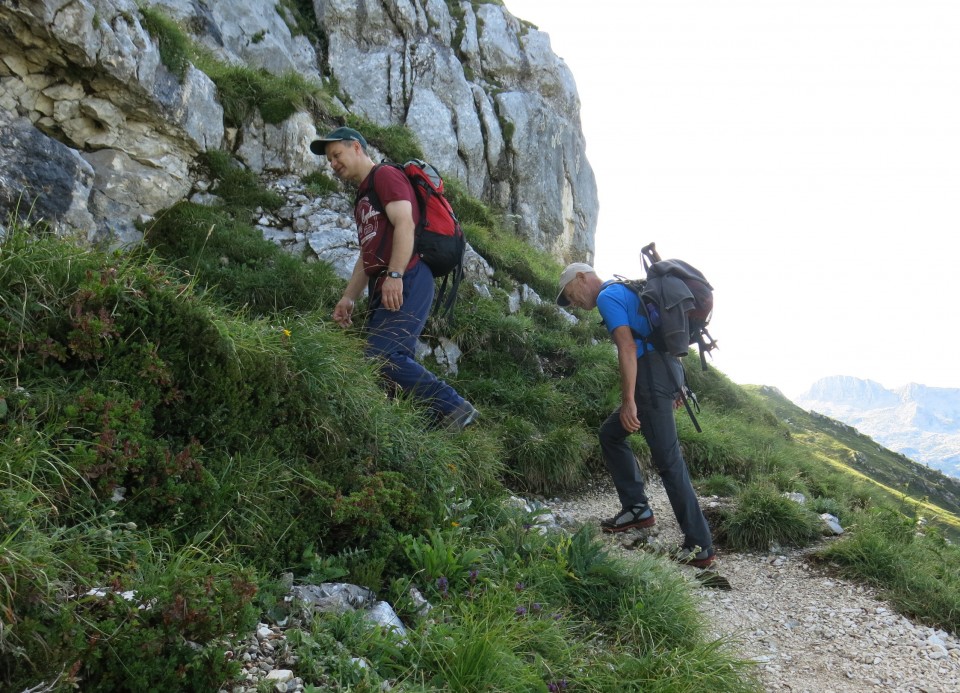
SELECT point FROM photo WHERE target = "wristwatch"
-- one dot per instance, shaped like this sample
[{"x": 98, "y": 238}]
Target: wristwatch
[{"x": 395, "y": 275}]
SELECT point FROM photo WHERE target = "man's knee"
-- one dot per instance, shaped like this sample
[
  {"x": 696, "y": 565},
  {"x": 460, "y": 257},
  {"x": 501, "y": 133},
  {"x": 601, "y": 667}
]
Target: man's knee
[{"x": 667, "y": 459}]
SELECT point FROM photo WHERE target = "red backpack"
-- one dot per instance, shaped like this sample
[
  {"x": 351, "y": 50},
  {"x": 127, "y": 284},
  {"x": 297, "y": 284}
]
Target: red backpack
[{"x": 438, "y": 239}]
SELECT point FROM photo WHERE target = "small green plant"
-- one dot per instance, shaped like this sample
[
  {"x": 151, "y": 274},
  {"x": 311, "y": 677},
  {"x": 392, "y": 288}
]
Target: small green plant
[
  {"x": 238, "y": 186},
  {"x": 299, "y": 17},
  {"x": 319, "y": 183},
  {"x": 397, "y": 143},
  {"x": 321, "y": 568},
  {"x": 440, "y": 557},
  {"x": 469, "y": 209},
  {"x": 349, "y": 650},
  {"x": 509, "y": 129},
  {"x": 829, "y": 505}
]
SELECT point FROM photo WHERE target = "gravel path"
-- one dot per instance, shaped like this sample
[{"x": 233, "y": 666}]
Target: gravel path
[{"x": 807, "y": 631}]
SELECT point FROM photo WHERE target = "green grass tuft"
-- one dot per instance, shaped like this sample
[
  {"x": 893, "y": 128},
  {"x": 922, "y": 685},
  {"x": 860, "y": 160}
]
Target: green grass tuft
[
  {"x": 763, "y": 516},
  {"x": 174, "y": 45}
]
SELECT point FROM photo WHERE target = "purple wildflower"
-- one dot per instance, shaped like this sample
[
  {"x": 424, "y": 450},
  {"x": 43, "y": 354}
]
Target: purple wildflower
[
  {"x": 519, "y": 587},
  {"x": 521, "y": 611}
]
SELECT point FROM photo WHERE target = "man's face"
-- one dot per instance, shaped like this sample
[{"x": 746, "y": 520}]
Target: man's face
[
  {"x": 579, "y": 292},
  {"x": 345, "y": 159}
]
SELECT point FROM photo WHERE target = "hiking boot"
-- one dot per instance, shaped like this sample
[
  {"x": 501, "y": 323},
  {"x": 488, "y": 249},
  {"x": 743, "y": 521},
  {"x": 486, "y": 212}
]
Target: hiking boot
[
  {"x": 460, "y": 418},
  {"x": 637, "y": 517},
  {"x": 697, "y": 559}
]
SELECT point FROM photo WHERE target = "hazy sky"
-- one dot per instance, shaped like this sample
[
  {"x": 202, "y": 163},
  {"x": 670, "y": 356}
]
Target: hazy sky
[{"x": 805, "y": 155}]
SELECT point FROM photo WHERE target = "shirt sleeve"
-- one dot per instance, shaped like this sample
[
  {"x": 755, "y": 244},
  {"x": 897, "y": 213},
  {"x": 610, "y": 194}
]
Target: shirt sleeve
[
  {"x": 613, "y": 307},
  {"x": 391, "y": 185},
  {"x": 619, "y": 307}
]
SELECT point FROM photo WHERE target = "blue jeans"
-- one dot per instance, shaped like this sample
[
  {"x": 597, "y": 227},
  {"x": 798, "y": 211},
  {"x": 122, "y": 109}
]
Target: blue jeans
[
  {"x": 654, "y": 395},
  {"x": 392, "y": 339}
]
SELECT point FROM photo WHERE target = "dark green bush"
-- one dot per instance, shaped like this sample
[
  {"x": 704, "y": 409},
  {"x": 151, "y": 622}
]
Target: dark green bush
[
  {"x": 237, "y": 185},
  {"x": 161, "y": 627},
  {"x": 233, "y": 261}
]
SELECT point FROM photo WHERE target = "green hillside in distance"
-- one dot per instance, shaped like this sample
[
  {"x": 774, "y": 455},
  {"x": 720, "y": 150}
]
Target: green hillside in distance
[{"x": 933, "y": 493}]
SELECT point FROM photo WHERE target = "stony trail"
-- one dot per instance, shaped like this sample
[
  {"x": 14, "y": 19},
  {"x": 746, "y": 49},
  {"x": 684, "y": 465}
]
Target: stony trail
[{"x": 808, "y": 631}]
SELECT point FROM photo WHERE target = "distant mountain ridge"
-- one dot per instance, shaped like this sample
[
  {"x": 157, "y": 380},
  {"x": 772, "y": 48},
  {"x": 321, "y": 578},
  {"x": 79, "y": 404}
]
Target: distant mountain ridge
[{"x": 915, "y": 420}]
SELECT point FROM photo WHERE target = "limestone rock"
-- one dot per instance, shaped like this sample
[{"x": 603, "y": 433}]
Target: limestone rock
[{"x": 489, "y": 101}]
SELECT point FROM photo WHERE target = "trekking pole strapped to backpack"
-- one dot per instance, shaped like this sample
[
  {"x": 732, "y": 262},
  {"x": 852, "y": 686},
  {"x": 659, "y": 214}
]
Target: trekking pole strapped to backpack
[{"x": 677, "y": 301}]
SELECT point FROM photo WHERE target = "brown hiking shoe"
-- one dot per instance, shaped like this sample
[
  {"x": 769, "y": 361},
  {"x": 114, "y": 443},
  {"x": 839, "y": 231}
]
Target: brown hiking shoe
[
  {"x": 637, "y": 517},
  {"x": 697, "y": 559}
]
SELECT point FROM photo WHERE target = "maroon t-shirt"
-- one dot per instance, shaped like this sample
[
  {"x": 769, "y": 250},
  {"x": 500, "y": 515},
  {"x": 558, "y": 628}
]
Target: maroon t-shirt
[{"x": 374, "y": 230}]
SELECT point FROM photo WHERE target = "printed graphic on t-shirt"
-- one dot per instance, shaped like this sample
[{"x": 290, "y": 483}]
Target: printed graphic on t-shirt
[{"x": 368, "y": 221}]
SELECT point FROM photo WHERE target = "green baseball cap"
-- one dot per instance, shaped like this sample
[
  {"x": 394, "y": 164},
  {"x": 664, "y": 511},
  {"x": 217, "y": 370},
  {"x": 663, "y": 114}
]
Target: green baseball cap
[{"x": 319, "y": 147}]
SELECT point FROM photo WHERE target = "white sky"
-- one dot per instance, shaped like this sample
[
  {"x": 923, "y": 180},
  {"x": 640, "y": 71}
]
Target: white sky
[{"x": 804, "y": 154}]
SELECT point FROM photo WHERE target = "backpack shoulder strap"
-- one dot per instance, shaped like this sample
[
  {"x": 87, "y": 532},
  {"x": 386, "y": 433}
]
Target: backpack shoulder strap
[{"x": 371, "y": 192}]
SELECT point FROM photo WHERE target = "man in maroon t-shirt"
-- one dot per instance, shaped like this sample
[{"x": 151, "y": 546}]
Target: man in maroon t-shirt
[{"x": 400, "y": 286}]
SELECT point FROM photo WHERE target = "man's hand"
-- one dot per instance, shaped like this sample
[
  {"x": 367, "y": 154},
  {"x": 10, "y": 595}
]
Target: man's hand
[
  {"x": 628, "y": 417},
  {"x": 391, "y": 293},
  {"x": 343, "y": 312}
]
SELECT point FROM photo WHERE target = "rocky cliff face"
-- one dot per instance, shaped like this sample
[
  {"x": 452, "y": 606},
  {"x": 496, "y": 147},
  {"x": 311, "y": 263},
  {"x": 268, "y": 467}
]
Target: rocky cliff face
[{"x": 95, "y": 131}]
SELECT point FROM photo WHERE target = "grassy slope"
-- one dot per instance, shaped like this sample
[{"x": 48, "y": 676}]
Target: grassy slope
[
  {"x": 897, "y": 477},
  {"x": 204, "y": 391},
  {"x": 186, "y": 423}
]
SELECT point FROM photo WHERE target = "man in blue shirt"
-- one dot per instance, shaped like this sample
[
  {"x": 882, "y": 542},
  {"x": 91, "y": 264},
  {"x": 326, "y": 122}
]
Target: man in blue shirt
[{"x": 648, "y": 390}]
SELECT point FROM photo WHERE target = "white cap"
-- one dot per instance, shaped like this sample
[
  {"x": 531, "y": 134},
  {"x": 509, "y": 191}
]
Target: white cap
[{"x": 569, "y": 272}]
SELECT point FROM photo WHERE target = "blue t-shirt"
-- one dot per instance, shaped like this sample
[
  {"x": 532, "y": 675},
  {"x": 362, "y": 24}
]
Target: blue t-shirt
[{"x": 620, "y": 306}]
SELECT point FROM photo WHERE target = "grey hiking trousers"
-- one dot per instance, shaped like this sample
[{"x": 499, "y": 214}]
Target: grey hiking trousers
[{"x": 659, "y": 428}]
